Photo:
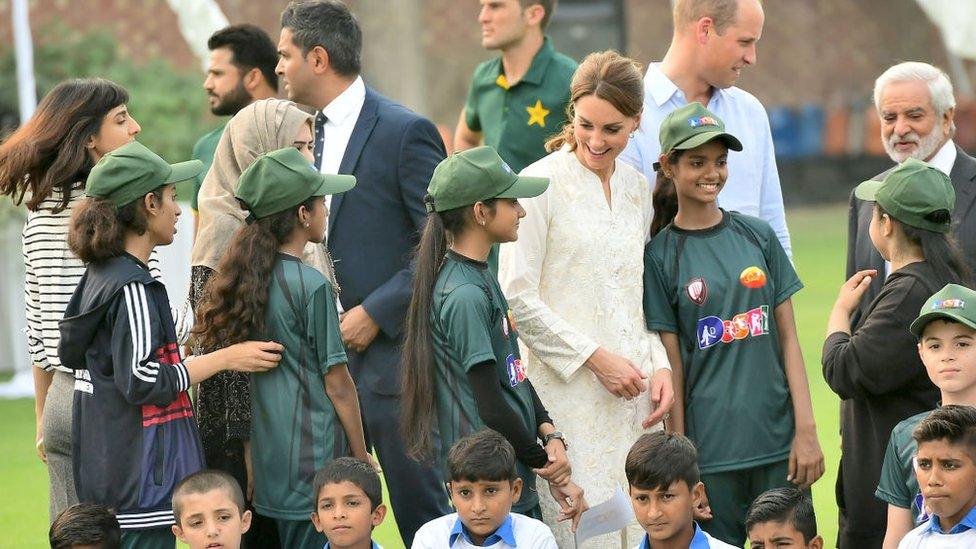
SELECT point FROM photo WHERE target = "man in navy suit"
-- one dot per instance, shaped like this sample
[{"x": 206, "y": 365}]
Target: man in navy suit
[{"x": 372, "y": 229}]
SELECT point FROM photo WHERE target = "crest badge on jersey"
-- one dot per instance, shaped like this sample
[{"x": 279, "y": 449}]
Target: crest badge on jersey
[
  {"x": 753, "y": 277},
  {"x": 516, "y": 370},
  {"x": 697, "y": 290}
]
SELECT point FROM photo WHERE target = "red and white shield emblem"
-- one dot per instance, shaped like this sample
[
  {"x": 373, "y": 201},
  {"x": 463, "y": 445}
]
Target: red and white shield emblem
[{"x": 697, "y": 290}]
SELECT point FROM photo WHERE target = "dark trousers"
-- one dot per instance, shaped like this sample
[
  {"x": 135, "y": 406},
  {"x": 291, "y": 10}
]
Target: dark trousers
[
  {"x": 417, "y": 492},
  {"x": 732, "y": 492}
]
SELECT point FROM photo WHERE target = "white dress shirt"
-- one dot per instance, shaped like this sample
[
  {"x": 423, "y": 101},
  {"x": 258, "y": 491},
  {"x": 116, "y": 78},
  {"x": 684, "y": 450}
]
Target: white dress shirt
[
  {"x": 341, "y": 116},
  {"x": 753, "y": 185}
]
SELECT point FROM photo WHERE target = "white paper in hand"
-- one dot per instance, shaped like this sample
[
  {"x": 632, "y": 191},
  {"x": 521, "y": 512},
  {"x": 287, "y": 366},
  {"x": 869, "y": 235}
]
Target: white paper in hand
[{"x": 610, "y": 516}]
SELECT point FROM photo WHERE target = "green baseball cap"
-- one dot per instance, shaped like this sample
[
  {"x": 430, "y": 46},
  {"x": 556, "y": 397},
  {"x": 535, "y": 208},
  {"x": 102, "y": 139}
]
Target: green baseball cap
[
  {"x": 911, "y": 192},
  {"x": 954, "y": 302},
  {"x": 691, "y": 126},
  {"x": 474, "y": 175},
  {"x": 130, "y": 171},
  {"x": 283, "y": 179}
]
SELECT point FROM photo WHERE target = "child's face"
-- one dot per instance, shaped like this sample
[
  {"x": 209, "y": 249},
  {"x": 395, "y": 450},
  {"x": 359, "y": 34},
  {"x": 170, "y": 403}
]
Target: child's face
[
  {"x": 343, "y": 513},
  {"x": 778, "y": 535},
  {"x": 666, "y": 514},
  {"x": 483, "y": 505},
  {"x": 700, "y": 173},
  {"x": 947, "y": 477},
  {"x": 502, "y": 225},
  {"x": 211, "y": 519},
  {"x": 162, "y": 217},
  {"x": 317, "y": 218},
  {"x": 948, "y": 350}
]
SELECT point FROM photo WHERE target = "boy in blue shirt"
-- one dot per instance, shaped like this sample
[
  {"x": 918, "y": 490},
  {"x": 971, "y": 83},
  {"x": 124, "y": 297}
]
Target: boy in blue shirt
[
  {"x": 484, "y": 485},
  {"x": 665, "y": 490},
  {"x": 783, "y": 518},
  {"x": 348, "y": 504}
]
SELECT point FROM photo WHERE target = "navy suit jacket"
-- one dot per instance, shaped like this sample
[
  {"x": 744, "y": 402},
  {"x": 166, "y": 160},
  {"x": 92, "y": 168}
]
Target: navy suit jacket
[{"x": 374, "y": 228}]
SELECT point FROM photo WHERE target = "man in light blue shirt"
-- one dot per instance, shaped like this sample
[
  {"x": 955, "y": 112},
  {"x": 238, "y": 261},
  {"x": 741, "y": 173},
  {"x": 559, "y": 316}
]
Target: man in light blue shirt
[{"x": 712, "y": 42}]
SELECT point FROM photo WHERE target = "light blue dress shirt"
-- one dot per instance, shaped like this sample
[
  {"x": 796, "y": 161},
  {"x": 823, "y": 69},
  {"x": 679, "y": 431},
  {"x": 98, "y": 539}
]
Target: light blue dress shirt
[
  {"x": 753, "y": 185},
  {"x": 504, "y": 533}
]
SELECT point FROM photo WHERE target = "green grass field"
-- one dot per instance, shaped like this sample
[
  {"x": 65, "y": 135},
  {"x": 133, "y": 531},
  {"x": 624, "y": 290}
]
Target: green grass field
[{"x": 818, "y": 247}]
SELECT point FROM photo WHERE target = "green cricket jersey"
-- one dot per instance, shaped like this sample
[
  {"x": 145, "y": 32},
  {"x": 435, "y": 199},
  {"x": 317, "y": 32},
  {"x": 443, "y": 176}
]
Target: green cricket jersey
[
  {"x": 204, "y": 151},
  {"x": 898, "y": 485},
  {"x": 471, "y": 324},
  {"x": 294, "y": 427},
  {"x": 717, "y": 288}
]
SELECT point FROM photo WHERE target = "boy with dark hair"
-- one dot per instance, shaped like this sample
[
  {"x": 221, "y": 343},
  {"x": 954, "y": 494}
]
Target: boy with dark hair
[
  {"x": 484, "y": 484},
  {"x": 783, "y": 517},
  {"x": 946, "y": 469},
  {"x": 348, "y": 504},
  {"x": 209, "y": 509},
  {"x": 86, "y": 525},
  {"x": 946, "y": 331},
  {"x": 665, "y": 490}
]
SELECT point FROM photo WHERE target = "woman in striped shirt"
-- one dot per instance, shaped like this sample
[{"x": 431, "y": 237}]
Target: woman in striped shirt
[{"x": 44, "y": 165}]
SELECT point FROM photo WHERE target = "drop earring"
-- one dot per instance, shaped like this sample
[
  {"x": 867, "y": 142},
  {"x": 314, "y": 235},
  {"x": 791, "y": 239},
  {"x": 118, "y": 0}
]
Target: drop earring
[{"x": 307, "y": 225}]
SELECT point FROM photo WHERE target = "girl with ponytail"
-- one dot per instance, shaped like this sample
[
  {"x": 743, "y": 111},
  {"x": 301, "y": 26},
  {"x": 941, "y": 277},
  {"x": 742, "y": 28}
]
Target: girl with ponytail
[{"x": 461, "y": 365}]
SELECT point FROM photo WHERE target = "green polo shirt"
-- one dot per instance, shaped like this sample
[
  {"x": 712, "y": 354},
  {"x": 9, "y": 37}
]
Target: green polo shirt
[
  {"x": 471, "y": 324},
  {"x": 294, "y": 427},
  {"x": 204, "y": 151},
  {"x": 898, "y": 484},
  {"x": 718, "y": 289},
  {"x": 516, "y": 120}
]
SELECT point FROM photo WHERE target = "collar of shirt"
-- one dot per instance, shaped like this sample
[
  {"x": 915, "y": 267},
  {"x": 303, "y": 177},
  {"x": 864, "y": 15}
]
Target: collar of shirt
[
  {"x": 945, "y": 158},
  {"x": 503, "y": 533},
  {"x": 375, "y": 545},
  {"x": 698, "y": 541},
  {"x": 662, "y": 89},
  {"x": 348, "y": 103},
  {"x": 968, "y": 522},
  {"x": 537, "y": 70}
]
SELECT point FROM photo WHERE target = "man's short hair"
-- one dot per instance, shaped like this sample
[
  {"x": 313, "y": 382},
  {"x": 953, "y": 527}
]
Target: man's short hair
[
  {"x": 205, "y": 481},
  {"x": 85, "y": 524},
  {"x": 721, "y": 12},
  {"x": 940, "y": 87},
  {"x": 482, "y": 456},
  {"x": 329, "y": 24},
  {"x": 548, "y": 5},
  {"x": 659, "y": 459},
  {"x": 953, "y": 423},
  {"x": 252, "y": 49},
  {"x": 786, "y": 505},
  {"x": 356, "y": 471}
]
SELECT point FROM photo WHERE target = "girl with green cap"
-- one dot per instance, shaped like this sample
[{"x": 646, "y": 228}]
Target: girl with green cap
[
  {"x": 461, "y": 365},
  {"x": 874, "y": 366},
  {"x": 134, "y": 433},
  {"x": 717, "y": 286},
  {"x": 305, "y": 413}
]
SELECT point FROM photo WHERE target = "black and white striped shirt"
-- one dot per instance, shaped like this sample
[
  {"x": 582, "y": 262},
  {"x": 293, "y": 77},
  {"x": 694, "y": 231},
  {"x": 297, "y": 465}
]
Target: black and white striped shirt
[{"x": 53, "y": 272}]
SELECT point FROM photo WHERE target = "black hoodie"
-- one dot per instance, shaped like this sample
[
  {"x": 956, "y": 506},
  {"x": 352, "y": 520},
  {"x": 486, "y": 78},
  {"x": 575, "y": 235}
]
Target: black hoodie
[{"x": 134, "y": 435}]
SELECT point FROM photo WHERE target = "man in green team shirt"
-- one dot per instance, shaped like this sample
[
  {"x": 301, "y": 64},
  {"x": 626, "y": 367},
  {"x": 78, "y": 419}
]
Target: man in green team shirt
[
  {"x": 946, "y": 331},
  {"x": 518, "y": 100},
  {"x": 241, "y": 70}
]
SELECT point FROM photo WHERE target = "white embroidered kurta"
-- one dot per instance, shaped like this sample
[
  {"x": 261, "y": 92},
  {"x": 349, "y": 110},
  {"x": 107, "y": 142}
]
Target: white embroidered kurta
[{"x": 574, "y": 281}]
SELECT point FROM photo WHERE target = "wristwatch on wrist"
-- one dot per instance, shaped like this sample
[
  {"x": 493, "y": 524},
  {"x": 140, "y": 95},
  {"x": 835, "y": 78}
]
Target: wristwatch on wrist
[{"x": 556, "y": 435}]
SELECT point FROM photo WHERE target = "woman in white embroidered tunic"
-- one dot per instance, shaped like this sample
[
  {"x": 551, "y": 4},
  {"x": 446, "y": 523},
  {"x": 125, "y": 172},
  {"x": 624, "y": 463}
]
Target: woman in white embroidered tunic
[{"x": 574, "y": 282}]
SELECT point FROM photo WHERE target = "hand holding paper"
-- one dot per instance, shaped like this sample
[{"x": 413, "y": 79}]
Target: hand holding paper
[{"x": 610, "y": 516}]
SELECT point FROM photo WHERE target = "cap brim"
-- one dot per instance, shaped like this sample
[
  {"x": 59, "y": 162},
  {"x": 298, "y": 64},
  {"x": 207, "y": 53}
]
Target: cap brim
[
  {"x": 183, "y": 171},
  {"x": 868, "y": 190},
  {"x": 731, "y": 141},
  {"x": 335, "y": 184},
  {"x": 525, "y": 187},
  {"x": 919, "y": 324}
]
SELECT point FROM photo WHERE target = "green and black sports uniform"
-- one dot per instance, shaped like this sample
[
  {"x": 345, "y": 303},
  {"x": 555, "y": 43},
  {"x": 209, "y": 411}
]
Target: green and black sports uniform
[
  {"x": 295, "y": 429},
  {"x": 480, "y": 379},
  {"x": 898, "y": 485},
  {"x": 717, "y": 289}
]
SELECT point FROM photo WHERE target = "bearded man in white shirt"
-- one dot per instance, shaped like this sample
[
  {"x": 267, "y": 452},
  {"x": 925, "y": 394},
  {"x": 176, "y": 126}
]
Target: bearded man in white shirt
[{"x": 713, "y": 41}]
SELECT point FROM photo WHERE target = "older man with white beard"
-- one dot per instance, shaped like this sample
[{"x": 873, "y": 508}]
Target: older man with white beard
[{"x": 916, "y": 106}]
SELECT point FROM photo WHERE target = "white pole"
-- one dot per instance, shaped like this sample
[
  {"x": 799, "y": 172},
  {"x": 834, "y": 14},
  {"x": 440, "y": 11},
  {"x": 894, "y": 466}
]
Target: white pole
[{"x": 24, "y": 47}]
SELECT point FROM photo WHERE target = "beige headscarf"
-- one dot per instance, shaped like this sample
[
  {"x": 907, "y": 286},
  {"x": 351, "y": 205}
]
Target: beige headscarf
[{"x": 261, "y": 127}]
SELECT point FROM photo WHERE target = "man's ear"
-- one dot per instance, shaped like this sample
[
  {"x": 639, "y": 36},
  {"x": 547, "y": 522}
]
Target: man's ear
[
  {"x": 703, "y": 27},
  {"x": 319, "y": 60},
  {"x": 534, "y": 14},
  {"x": 947, "y": 120},
  {"x": 252, "y": 80}
]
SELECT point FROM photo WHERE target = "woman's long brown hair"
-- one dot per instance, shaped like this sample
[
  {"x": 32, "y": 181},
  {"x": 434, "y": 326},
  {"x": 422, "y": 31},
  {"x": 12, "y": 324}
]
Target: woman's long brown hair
[
  {"x": 233, "y": 306},
  {"x": 48, "y": 152}
]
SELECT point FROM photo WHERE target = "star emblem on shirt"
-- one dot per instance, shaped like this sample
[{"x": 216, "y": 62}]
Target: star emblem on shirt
[{"x": 537, "y": 114}]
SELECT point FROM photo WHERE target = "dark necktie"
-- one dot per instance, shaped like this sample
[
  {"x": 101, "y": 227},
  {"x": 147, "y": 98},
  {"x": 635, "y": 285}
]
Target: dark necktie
[{"x": 320, "y": 121}]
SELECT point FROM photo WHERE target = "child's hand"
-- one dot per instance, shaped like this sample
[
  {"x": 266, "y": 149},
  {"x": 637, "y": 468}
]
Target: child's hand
[
  {"x": 558, "y": 470},
  {"x": 375, "y": 464},
  {"x": 853, "y": 290},
  {"x": 253, "y": 356},
  {"x": 662, "y": 397},
  {"x": 806, "y": 459},
  {"x": 571, "y": 502}
]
